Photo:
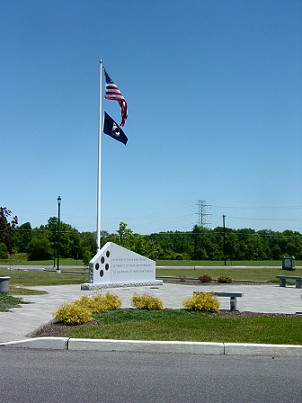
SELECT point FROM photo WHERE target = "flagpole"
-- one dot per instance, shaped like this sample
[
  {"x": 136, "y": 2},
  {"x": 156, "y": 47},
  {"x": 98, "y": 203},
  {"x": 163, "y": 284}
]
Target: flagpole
[{"x": 99, "y": 180}]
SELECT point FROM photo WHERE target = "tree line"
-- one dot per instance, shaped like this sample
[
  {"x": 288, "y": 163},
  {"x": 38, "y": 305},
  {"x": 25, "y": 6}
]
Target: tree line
[
  {"x": 41, "y": 243},
  {"x": 231, "y": 244},
  {"x": 212, "y": 244}
]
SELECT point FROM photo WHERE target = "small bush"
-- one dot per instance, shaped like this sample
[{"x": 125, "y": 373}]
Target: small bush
[
  {"x": 205, "y": 278},
  {"x": 146, "y": 301},
  {"x": 100, "y": 303},
  {"x": 112, "y": 301},
  {"x": 202, "y": 301},
  {"x": 73, "y": 314},
  {"x": 82, "y": 309},
  {"x": 224, "y": 279}
]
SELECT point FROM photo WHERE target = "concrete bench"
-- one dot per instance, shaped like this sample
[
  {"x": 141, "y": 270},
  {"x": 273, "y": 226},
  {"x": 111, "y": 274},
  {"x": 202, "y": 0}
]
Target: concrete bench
[
  {"x": 282, "y": 280},
  {"x": 231, "y": 294}
]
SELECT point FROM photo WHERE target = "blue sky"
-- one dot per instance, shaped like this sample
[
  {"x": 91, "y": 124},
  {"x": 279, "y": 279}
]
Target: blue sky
[{"x": 214, "y": 90}]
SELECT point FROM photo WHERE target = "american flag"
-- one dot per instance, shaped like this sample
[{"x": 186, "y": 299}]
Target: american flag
[{"x": 113, "y": 93}]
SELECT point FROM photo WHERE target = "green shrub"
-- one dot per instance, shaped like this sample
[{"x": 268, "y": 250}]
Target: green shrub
[
  {"x": 82, "y": 309},
  {"x": 202, "y": 301},
  {"x": 112, "y": 301},
  {"x": 224, "y": 279},
  {"x": 99, "y": 303},
  {"x": 73, "y": 314},
  {"x": 146, "y": 301},
  {"x": 3, "y": 251},
  {"x": 205, "y": 278}
]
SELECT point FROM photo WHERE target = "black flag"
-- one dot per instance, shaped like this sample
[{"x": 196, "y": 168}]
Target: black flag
[{"x": 113, "y": 130}]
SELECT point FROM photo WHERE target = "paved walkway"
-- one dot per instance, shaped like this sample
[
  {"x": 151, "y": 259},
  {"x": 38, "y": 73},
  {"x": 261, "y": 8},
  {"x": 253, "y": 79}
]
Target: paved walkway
[{"x": 21, "y": 322}]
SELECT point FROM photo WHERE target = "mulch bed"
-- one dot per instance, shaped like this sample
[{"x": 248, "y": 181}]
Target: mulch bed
[{"x": 57, "y": 329}]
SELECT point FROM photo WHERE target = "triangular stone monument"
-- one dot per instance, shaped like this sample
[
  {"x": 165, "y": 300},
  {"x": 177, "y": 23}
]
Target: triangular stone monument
[{"x": 115, "y": 266}]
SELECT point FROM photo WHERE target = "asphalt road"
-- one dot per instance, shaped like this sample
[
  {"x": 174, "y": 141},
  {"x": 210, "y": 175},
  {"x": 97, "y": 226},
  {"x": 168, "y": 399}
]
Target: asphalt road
[{"x": 70, "y": 376}]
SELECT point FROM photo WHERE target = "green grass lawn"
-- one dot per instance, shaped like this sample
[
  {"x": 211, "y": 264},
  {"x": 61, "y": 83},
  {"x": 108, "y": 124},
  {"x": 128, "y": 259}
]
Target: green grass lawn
[
  {"x": 17, "y": 290},
  {"x": 221, "y": 263},
  {"x": 183, "y": 325},
  {"x": 28, "y": 278},
  {"x": 261, "y": 275},
  {"x": 21, "y": 259},
  {"x": 7, "y": 302}
]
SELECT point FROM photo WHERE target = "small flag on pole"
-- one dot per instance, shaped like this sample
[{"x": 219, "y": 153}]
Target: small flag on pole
[
  {"x": 113, "y": 130},
  {"x": 114, "y": 94}
]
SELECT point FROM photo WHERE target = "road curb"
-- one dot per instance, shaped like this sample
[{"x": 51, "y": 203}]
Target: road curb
[
  {"x": 147, "y": 346},
  {"x": 176, "y": 347},
  {"x": 51, "y": 343},
  {"x": 274, "y": 350}
]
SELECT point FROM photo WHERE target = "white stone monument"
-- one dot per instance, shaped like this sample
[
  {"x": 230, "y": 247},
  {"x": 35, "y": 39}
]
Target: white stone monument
[{"x": 115, "y": 266}]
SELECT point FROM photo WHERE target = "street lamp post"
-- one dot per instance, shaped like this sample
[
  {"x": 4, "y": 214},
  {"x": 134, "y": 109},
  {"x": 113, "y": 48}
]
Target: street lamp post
[
  {"x": 58, "y": 240},
  {"x": 224, "y": 244}
]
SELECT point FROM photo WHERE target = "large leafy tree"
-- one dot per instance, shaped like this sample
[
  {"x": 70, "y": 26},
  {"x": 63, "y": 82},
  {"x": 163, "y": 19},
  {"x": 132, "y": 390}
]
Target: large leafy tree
[
  {"x": 125, "y": 235},
  {"x": 73, "y": 244},
  {"x": 87, "y": 244},
  {"x": 40, "y": 248},
  {"x": 7, "y": 228},
  {"x": 24, "y": 234},
  {"x": 3, "y": 251}
]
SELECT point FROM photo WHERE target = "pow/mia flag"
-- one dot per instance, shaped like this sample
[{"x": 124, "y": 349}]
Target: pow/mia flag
[{"x": 113, "y": 130}]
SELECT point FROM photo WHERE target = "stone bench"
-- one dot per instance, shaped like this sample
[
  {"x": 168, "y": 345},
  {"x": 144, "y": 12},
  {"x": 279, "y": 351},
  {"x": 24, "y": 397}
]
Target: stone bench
[
  {"x": 282, "y": 280},
  {"x": 231, "y": 294}
]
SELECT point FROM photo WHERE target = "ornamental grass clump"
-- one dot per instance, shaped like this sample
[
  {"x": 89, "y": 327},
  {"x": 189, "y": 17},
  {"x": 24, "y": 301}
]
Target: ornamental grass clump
[
  {"x": 224, "y": 279},
  {"x": 146, "y": 301},
  {"x": 82, "y": 310},
  {"x": 205, "y": 278},
  {"x": 202, "y": 301}
]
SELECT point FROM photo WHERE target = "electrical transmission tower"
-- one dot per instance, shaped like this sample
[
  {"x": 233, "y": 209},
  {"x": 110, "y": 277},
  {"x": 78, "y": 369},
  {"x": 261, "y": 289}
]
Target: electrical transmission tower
[{"x": 202, "y": 213}]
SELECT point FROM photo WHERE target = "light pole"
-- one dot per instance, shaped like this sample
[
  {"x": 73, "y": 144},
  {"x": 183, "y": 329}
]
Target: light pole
[
  {"x": 224, "y": 245},
  {"x": 58, "y": 241}
]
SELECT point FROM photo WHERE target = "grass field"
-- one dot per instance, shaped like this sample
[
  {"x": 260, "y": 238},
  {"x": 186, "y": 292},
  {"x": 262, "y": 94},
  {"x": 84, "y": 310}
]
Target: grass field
[
  {"x": 17, "y": 290},
  {"x": 21, "y": 258},
  {"x": 28, "y": 278},
  {"x": 265, "y": 263},
  {"x": 183, "y": 325},
  {"x": 7, "y": 302},
  {"x": 256, "y": 274}
]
